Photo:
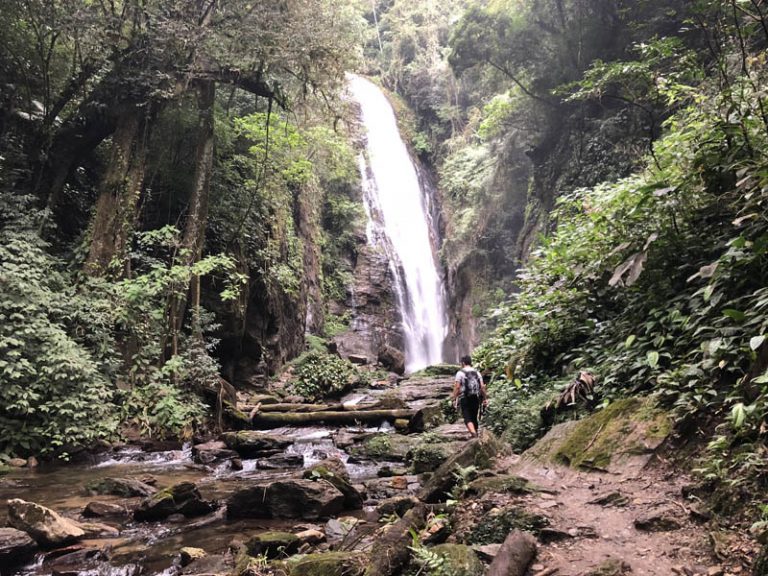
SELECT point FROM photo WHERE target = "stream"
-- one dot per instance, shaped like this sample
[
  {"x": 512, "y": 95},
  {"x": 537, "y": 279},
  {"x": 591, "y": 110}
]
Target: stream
[{"x": 152, "y": 547}]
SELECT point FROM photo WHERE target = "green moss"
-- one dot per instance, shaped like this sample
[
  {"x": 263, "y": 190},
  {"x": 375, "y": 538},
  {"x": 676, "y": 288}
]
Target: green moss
[
  {"x": 438, "y": 370},
  {"x": 460, "y": 560},
  {"x": 273, "y": 544},
  {"x": 496, "y": 526},
  {"x": 500, "y": 484},
  {"x": 628, "y": 426},
  {"x": 427, "y": 457},
  {"x": 4, "y": 469},
  {"x": 325, "y": 564}
]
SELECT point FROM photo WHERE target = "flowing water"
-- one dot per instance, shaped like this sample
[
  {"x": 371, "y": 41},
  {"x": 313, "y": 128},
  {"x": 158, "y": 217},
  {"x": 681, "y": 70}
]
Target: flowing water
[{"x": 400, "y": 224}]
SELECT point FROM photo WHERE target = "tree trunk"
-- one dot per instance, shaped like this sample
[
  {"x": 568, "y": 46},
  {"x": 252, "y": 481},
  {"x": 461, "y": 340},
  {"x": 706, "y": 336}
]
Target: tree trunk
[
  {"x": 115, "y": 214},
  {"x": 197, "y": 213}
]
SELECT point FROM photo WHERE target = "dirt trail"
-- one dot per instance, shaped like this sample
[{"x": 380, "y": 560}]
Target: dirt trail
[{"x": 590, "y": 538}]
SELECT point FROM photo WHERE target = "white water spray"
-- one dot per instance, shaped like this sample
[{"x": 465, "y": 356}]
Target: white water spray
[{"x": 399, "y": 223}]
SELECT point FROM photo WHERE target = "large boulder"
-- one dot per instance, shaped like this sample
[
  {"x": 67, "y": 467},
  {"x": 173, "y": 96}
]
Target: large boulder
[
  {"x": 392, "y": 359},
  {"x": 390, "y": 551},
  {"x": 286, "y": 499},
  {"x": 478, "y": 453},
  {"x": 183, "y": 498},
  {"x": 16, "y": 547},
  {"x": 125, "y": 487},
  {"x": 253, "y": 444},
  {"x": 43, "y": 524}
]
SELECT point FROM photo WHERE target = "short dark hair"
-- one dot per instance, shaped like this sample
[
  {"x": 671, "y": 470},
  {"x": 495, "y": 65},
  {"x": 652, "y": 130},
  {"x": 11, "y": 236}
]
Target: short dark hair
[{"x": 466, "y": 360}]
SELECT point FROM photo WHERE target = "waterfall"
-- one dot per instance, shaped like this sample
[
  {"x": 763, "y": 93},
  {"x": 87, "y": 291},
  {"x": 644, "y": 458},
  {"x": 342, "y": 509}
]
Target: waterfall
[{"x": 399, "y": 223}]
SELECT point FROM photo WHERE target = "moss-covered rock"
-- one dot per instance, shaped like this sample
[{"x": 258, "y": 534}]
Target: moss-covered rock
[
  {"x": 437, "y": 370},
  {"x": 273, "y": 544},
  {"x": 384, "y": 447},
  {"x": 499, "y": 523},
  {"x": 628, "y": 427},
  {"x": 760, "y": 567},
  {"x": 500, "y": 484},
  {"x": 182, "y": 498},
  {"x": 325, "y": 564},
  {"x": 460, "y": 560},
  {"x": 427, "y": 457}
]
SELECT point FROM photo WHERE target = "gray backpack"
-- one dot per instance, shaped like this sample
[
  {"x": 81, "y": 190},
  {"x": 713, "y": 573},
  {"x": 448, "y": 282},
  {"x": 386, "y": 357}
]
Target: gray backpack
[{"x": 471, "y": 383}]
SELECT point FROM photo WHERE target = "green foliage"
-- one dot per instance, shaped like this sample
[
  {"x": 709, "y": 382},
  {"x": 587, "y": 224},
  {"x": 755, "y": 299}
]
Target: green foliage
[
  {"x": 657, "y": 281},
  {"x": 321, "y": 375},
  {"x": 55, "y": 358},
  {"x": 497, "y": 525}
]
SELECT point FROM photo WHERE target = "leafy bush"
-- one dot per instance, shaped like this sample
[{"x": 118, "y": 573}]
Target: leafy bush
[
  {"x": 55, "y": 392},
  {"x": 321, "y": 375}
]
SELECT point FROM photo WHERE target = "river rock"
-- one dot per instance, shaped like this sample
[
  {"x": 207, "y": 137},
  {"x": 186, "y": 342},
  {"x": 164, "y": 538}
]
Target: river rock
[
  {"x": 478, "y": 452},
  {"x": 253, "y": 444},
  {"x": 43, "y": 524},
  {"x": 97, "y": 529},
  {"x": 103, "y": 509},
  {"x": 125, "y": 487},
  {"x": 16, "y": 547},
  {"x": 660, "y": 522},
  {"x": 427, "y": 418},
  {"x": 183, "y": 498},
  {"x": 212, "y": 452},
  {"x": 280, "y": 461},
  {"x": 460, "y": 560},
  {"x": 273, "y": 544},
  {"x": 345, "y": 563},
  {"x": 396, "y": 505},
  {"x": 286, "y": 499},
  {"x": 311, "y": 536},
  {"x": 333, "y": 471},
  {"x": 392, "y": 359},
  {"x": 188, "y": 554},
  {"x": 17, "y": 462},
  {"x": 390, "y": 550}
]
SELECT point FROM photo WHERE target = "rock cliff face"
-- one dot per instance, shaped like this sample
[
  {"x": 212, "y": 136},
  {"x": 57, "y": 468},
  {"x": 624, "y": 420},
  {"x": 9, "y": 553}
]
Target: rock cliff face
[{"x": 372, "y": 305}]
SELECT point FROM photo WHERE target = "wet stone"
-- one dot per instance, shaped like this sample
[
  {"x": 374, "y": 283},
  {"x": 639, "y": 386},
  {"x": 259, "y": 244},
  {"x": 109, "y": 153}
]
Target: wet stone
[
  {"x": 125, "y": 487},
  {"x": 103, "y": 509},
  {"x": 183, "y": 498},
  {"x": 280, "y": 461},
  {"x": 16, "y": 546},
  {"x": 45, "y": 526}
]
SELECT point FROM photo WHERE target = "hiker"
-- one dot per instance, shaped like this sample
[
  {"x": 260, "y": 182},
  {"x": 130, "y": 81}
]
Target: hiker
[{"x": 469, "y": 391}]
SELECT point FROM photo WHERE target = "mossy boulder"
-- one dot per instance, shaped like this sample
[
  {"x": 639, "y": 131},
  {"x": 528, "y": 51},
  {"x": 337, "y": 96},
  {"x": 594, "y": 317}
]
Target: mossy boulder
[
  {"x": 325, "y": 564},
  {"x": 632, "y": 427},
  {"x": 479, "y": 453},
  {"x": 427, "y": 457},
  {"x": 760, "y": 567},
  {"x": 385, "y": 447},
  {"x": 273, "y": 544},
  {"x": 183, "y": 498},
  {"x": 497, "y": 524},
  {"x": 438, "y": 370},
  {"x": 460, "y": 560},
  {"x": 504, "y": 484}
]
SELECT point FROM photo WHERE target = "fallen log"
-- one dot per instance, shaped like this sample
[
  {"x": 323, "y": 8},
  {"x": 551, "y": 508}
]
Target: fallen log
[
  {"x": 514, "y": 556},
  {"x": 278, "y": 419},
  {"x": 291, "y": 407}
]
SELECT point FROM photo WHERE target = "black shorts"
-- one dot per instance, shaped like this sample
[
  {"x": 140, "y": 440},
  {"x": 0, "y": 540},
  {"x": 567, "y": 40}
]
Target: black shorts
[{"x": 470, "y": 409}]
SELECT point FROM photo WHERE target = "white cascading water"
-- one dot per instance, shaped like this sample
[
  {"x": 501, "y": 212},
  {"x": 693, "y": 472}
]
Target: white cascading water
[{"x": 399, "y": 222}]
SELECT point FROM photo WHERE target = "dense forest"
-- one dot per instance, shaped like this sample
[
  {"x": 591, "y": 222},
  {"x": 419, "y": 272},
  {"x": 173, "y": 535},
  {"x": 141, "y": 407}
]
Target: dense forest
[{"x": 181, "y": 211}]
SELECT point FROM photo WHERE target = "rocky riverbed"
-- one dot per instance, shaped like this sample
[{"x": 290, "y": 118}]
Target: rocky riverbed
[{"x": 397, "y": 490}]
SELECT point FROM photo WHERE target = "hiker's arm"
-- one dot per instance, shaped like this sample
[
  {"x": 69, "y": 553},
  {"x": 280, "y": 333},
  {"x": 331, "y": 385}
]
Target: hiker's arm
[{"x": 455, "y": 395}]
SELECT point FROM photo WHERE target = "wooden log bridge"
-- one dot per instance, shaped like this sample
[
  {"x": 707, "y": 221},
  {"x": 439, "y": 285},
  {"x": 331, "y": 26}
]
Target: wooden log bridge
[{"x": 264, "y": 420}]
